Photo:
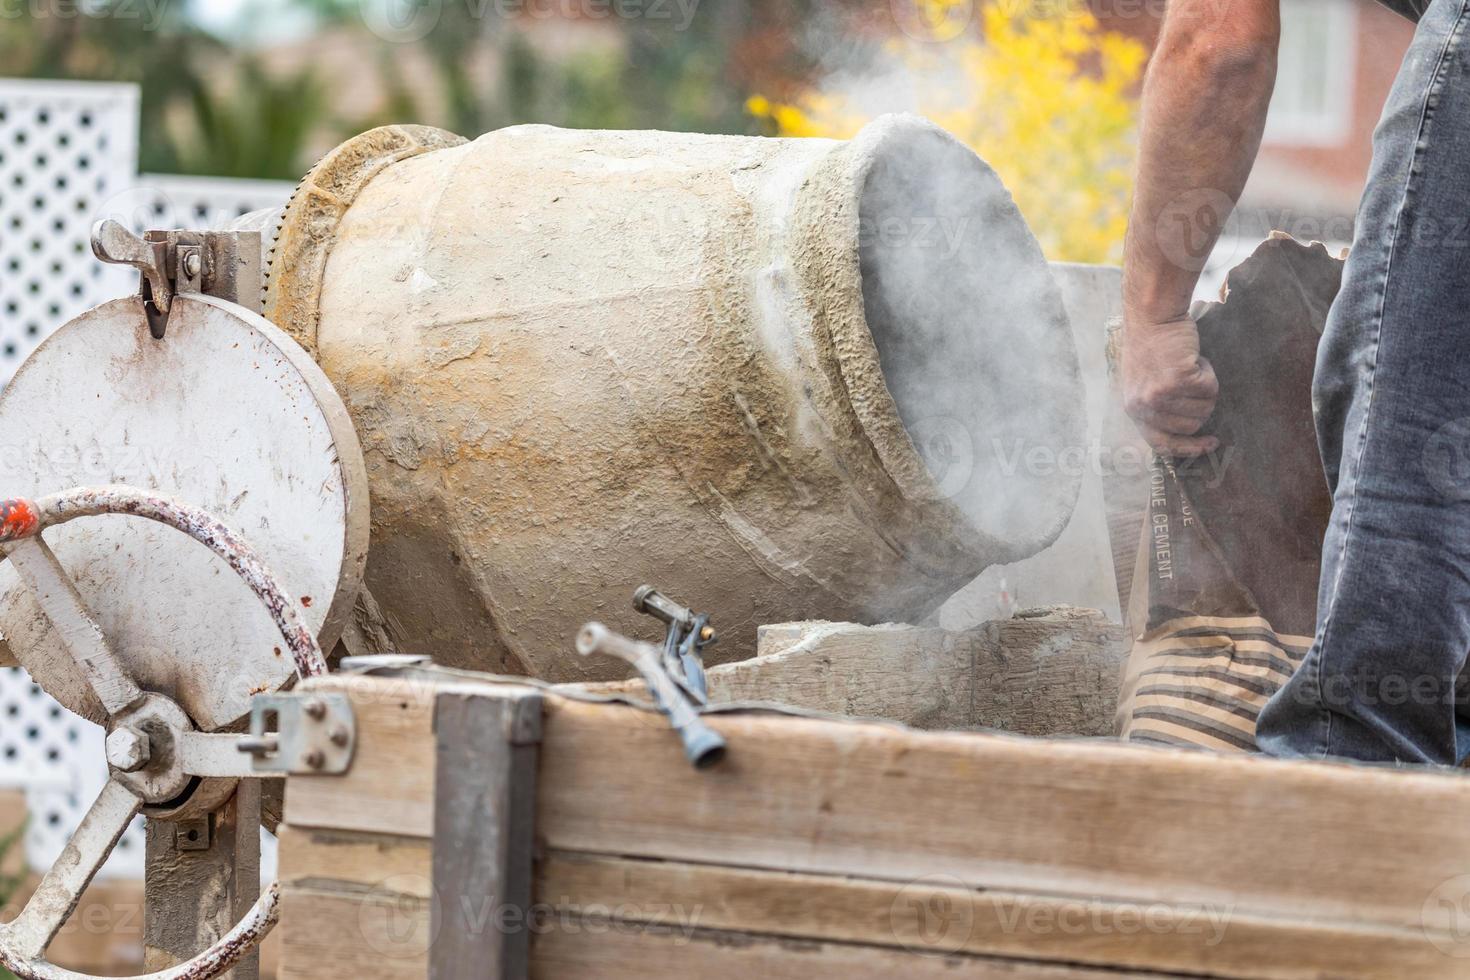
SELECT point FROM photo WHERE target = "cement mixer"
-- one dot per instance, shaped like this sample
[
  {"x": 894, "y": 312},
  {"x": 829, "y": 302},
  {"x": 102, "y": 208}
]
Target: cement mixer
[{"x": 789, "y": 378}]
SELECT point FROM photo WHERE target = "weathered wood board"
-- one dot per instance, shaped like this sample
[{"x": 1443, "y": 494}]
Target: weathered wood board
[
  {"x": 824, "y": 848},
  {"x": 1045, "y": 672}
]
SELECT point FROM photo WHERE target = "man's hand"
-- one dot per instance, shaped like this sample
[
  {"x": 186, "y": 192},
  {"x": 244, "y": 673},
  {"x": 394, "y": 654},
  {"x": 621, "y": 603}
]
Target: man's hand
[{"x": 1168, "y": 388}]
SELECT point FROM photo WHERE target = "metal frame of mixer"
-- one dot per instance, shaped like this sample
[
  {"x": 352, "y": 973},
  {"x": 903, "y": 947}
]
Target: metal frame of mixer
[{"x": 201, "y": 792}]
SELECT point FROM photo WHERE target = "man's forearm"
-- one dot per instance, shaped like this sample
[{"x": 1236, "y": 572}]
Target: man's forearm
[{"x": 1204, "y": 107}]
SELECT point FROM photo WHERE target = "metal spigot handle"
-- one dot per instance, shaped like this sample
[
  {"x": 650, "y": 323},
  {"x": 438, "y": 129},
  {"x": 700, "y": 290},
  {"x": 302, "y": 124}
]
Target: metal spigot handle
[{"x": 703, "y": 746}]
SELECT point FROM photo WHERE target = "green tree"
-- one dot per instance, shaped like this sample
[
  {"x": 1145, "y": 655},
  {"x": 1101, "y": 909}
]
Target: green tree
[
  {"x": 253, "y": 125},
  {"x": 211, "y": 107}
]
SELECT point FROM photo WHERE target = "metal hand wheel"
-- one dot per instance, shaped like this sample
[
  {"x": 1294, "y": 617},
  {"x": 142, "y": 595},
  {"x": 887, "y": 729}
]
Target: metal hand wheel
[{"x": 154, "y": 751}]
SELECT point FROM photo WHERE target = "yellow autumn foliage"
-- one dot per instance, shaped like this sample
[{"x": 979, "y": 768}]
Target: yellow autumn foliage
[{"x": 1044, "y": 95}]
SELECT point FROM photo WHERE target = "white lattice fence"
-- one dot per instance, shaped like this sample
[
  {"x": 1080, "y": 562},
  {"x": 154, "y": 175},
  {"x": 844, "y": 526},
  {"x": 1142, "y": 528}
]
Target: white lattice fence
[
  {"x": 67, "y": 152},
  {"x": 205, "y": 203},
  {"x": 67, "y": 149},
  {"x": 68, "y": 157}
]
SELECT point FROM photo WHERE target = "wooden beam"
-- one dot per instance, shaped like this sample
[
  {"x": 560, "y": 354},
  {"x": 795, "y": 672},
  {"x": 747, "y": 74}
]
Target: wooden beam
[
  {"x": 1320, "y": 865},
  {"x": 940, "y": 917},
  {"x": 608, "y": 952},
  {"x": 484, "y": 832}
]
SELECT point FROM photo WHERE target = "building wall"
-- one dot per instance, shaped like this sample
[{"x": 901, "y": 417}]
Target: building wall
[
  {"x": 1298, "y": 168},
  {"x": 1381, "y": 39},
  {"x": 1309, "y": 172}
]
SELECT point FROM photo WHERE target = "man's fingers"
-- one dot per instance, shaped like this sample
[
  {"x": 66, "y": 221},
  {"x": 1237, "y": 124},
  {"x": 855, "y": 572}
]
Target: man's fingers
[
  {"x": 1173, "y": 413},
  {"x": 1192, "y": 396},
  {"x": 1175, "y": 425},
  {"x": 1203, "y": 384},
  {"x": 1194, "y": 408},
  {"x": 1173, "y": 444},
  {"x": 1179, "y": 416}
]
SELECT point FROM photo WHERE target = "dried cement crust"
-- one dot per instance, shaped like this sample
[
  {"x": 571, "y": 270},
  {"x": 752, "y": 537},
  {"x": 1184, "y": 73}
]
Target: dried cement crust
[
  {"x": 828, "y": 263},
  {"x": 298, "y": 259},
  {"x": 825, "y": 257}
]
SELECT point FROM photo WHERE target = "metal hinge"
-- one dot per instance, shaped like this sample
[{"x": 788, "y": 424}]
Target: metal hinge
[{"x": 301, "y": 734}]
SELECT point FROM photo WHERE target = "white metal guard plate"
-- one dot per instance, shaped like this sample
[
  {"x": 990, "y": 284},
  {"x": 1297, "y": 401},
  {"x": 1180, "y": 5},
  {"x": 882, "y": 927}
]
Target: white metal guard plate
[{"x": 225, "y": 412}]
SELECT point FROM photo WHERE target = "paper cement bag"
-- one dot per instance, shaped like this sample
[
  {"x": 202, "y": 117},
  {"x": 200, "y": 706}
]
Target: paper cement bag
[{"x": 1223, "y": 604}]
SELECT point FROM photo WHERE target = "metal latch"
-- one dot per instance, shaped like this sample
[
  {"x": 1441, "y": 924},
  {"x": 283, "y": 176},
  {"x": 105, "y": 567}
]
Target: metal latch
[
  {"x": 226, "y": 265},
  {"x": 301, "y": 733}
]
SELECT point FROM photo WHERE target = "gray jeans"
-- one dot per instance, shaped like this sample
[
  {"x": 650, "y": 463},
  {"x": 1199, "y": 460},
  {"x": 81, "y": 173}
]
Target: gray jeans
[{"x": 1382, "y": 681}]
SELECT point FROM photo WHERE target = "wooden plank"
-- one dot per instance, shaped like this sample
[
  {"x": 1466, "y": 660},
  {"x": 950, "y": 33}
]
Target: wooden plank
[
  {"x": 1055, "y": 673},
  {"x": 390, "y": 786},
  {"x": 325, "y": 859},
  {"x": 196, "y": 895},
  {"x": 484, "y": 830},
  {"x": 1081, "y": 818},
  {"x": 355, "y": 906},
  {"x": 623, "y": 952},
  {"x": 1356, "y": 848},
  {"x": 938, "y": 916},
  {"x": 332, "y": 934}
]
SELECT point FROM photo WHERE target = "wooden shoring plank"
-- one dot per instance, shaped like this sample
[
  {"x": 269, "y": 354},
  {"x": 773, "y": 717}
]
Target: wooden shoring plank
[
  {"x": 1351, "y": 844},
  {"x": 345, "y": 934},
  {"x": 484, "y": 831},
  {"x": 350, "y": 861},
  {"x": 940, "y": 917},
  {"x": 621, "y": 951}
]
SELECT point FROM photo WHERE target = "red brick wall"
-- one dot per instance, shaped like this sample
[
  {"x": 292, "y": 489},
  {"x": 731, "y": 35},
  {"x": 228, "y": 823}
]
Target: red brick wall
[
  {"x": 1338, "y": 171},
  {"x": 1382, "y": 38}
]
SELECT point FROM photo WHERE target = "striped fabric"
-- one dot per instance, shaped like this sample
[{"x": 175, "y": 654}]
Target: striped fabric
[{"x": 1201, "y": 680}]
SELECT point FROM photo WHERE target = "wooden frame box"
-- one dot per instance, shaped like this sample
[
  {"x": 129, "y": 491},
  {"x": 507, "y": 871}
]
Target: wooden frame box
[{"x": 830, "y": 848}]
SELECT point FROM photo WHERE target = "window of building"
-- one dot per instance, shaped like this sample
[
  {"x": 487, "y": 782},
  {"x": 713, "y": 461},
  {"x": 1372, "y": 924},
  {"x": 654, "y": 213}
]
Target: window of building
[{"x": 1313, "y": 101}]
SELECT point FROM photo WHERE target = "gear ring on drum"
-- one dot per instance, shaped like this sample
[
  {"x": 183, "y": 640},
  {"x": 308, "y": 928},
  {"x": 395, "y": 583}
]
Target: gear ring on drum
[{"x": 151, "y": 765}]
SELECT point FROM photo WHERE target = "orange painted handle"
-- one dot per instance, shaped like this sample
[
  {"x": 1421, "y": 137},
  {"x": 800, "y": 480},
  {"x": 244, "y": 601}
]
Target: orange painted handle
[{"x": 18, "y": 519}]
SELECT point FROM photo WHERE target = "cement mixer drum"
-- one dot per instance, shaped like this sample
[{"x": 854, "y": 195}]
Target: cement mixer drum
[
  {"x": 782, "y": 378},
  {"x": 226, "y": 414}
]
